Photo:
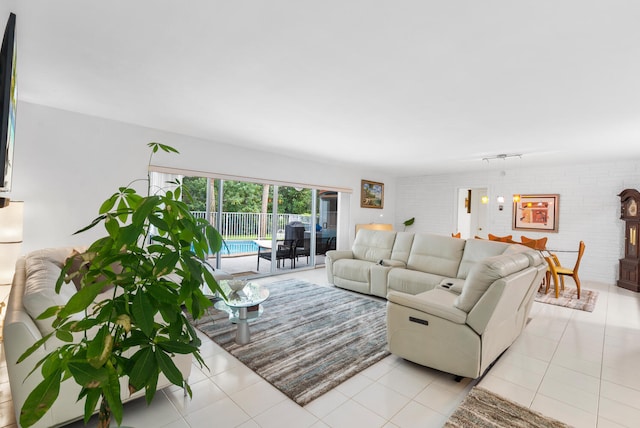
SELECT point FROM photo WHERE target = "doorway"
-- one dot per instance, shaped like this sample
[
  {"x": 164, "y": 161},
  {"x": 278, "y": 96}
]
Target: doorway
[{"x": 472, "y": 211}]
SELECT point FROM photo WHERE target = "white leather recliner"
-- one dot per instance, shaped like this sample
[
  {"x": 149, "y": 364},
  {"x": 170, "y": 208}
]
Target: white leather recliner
[{"x": 463, "y": 332}]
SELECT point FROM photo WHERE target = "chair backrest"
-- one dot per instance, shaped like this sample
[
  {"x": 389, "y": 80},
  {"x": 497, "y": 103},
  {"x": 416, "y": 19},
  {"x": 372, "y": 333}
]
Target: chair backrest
[
  {"x": 455, "y": 235},
  {"x": 536, "y": 244},
  {"x": 580, "y": 253},
  {"x": 507, "y": 238}
]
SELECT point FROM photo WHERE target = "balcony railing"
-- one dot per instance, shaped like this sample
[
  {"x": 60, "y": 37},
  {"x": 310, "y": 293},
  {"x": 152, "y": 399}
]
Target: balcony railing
[{"x": 251, "y": 225}]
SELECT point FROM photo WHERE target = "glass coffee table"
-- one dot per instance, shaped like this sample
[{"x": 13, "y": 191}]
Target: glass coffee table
[{"x": 243, "y": 306}]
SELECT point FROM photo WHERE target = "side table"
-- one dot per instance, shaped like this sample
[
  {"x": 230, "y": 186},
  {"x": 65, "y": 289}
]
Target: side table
[{"x": 237, "y": 304}]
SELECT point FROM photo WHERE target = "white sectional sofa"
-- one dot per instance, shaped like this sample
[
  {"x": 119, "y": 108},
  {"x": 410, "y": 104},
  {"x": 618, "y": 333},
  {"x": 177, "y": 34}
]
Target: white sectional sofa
[
  {"x": 452, "y": 304},
  {"x": 32, "y": 291}
]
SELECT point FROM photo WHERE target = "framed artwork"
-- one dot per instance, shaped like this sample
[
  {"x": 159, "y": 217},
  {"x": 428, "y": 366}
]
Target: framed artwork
[
  {"x": 536, "y": 212},
  {"x": 371, "y": 194}
]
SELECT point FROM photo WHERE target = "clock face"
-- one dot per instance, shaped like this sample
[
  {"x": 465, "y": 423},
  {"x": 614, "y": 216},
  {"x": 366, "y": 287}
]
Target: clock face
[{"x": 632, "y": 207}]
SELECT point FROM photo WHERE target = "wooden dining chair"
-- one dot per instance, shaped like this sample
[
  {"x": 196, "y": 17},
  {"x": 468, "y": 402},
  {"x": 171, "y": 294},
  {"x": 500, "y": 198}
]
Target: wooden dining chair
[
  {"x": 537, "y": 244},
  {"x": 508, "y": 238},
  {"x": 557, "y": 270}
]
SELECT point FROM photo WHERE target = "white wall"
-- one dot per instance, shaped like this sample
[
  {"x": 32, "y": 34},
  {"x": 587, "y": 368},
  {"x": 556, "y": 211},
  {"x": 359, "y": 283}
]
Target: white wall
[
  {"x": 66, "y": 164},
  {"x": 589, "y": 207}
]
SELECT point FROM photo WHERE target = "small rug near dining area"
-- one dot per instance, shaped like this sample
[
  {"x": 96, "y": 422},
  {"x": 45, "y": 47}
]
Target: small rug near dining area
[
  {"x": 569, "y": 298},
  {"x": 484, "y": 409},
  {"x": 309, "y": 338}
]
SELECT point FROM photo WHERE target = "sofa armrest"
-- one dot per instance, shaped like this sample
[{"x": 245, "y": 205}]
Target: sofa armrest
[
  {"x": 334, "y": 255},
  {"x": 331, "y": 257},
  {"x": 436, "y": 302}
]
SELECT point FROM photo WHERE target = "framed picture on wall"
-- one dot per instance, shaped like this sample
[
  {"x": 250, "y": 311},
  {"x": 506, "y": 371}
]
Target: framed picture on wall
[
  {"x": 536, "y": 212},
  {"x": 371, "y": 194}
]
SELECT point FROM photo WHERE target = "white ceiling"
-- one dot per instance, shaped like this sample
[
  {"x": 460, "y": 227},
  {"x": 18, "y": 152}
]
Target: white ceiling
[{"x": 407, "y": 87}]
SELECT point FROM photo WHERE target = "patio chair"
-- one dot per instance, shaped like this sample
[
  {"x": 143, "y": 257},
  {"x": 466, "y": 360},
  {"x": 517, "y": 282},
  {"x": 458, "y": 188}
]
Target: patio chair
[{"x": 286, "y": 250}]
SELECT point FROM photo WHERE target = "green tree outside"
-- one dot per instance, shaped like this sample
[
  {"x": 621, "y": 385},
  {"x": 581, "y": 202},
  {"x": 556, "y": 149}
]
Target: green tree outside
[{"x": 245, "y": 197}]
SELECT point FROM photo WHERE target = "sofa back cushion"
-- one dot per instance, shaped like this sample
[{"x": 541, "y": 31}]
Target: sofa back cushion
[
  {"x": 535, "y": 257},
  {"x": 436, "y": 254},
  {"x": 476, "y": 250},
  {"x": 485, "y": 273},
  {"x": 43, "y": 268},
  {"x": 373, "y": 245},
  {"x": 402, "y": 246}
]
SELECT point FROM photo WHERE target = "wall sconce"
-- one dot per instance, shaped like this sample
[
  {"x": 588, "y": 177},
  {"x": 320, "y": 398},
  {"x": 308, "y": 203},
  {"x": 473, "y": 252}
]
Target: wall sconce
[
  {"x": 516, "y": 198},
  {"x": 484, "y": 199},
  {"x": 10, "y": 239}
]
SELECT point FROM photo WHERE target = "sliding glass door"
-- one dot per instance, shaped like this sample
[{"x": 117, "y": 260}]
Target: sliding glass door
[{"x": 267, "y": 229}]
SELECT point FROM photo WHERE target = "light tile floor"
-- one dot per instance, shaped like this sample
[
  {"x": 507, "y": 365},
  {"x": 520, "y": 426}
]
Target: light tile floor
[{"x": 576, "y": 366}]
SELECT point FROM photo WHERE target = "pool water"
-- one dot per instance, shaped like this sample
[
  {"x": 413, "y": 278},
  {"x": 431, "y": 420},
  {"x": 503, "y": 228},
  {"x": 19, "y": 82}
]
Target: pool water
[{"x": 233, "y": 248}]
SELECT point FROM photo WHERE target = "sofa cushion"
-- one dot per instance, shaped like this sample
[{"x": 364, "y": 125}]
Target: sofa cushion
[
  {"x": 412, "y": 281},
  {"x": 476, "y": 250},
  {"x": 43, "y": 268},
  {"x": 535, "y": 257},
  {"x": 485, "y": 273},
  {"x": 402, "y": 246},
  {"x": 373, "y": 245},
  {"x": 436, "y": 254},
  {"x": 355, "y": 270}
]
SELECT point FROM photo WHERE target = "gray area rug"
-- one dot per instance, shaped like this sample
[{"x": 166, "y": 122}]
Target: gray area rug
[
  {"x": 484, "y": 409},
  {"x": 309, "y": 338},
  {"x": 569, "y": 298}
]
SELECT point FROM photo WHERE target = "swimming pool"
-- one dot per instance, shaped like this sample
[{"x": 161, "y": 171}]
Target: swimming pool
[{"x": 233, "y": 248}]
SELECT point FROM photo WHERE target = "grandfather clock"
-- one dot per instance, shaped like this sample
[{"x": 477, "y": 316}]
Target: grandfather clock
[{"x": 630, "y": 266}]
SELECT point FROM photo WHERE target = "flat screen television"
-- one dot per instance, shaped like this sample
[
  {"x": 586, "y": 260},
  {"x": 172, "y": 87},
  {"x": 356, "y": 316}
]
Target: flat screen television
[{"x": 9, "y": 100}]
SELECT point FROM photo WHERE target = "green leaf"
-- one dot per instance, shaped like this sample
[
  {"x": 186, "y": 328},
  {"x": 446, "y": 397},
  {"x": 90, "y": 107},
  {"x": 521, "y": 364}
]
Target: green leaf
[
  {"x": 144, "y": 365},
  {"x": 143, "y": 313},
  {"x": 166, "y": 264},
  {"x": 111, "y": 393},
  {"x": 99, "y": 348},
  {"x": 81, "y": 300},
  {"x": 86, "y": 375},
  {"x": 409, "y": 222},
  {"x": 129, "y": 234},
  {"x": 155, "y": 146},
  {"x": 95, "y": 222},
  {"x": 148, "y": 205},
  {"x": 112, "y": 225},
  {"x": 40, "y": 399},
  {"x": 34, "y": 347},
  {"x": 163, "y": 294},
  {"x": 152, "y": 385},
  {"x": 91, "y": 402},
  {"x": 49, "y": 312},
  {"x": 64, "y": 336},
  {"x": 108, "y": 204},
  {"x": 158, "y": 222},
  {"x": 176, "y": 347},
  {"x": 169, "y": 368},
  {"x": 123, "y": 210}
]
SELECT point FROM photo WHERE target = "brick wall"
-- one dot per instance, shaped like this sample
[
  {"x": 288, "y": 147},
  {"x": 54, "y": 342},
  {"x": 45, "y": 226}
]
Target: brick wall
[{"x": 589, "y": 206}]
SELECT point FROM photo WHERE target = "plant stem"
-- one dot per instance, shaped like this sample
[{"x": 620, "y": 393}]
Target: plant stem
[{"x": 104, "y": 415}]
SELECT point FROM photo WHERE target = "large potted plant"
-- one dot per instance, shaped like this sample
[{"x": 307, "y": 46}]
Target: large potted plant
[{"x": 155, "y": 257}]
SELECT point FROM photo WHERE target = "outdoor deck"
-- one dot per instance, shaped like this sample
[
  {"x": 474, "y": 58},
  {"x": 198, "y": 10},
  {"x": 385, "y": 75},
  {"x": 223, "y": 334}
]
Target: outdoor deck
[{"x": 245, "y": 265}]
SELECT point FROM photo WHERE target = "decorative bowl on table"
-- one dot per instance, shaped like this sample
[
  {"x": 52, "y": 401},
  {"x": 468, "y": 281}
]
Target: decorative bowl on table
[{"x": 236, "y": 284}]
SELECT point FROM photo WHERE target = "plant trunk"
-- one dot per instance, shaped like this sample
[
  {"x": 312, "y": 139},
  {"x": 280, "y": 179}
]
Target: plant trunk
[{"x": 104, "y": 415}]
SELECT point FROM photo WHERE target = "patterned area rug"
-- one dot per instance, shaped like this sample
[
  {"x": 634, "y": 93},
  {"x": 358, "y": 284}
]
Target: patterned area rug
[
  {"x": 569, "y": 298},
  {"x": 484, "y": 409},
  {"x": 309, "y": 338}
]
